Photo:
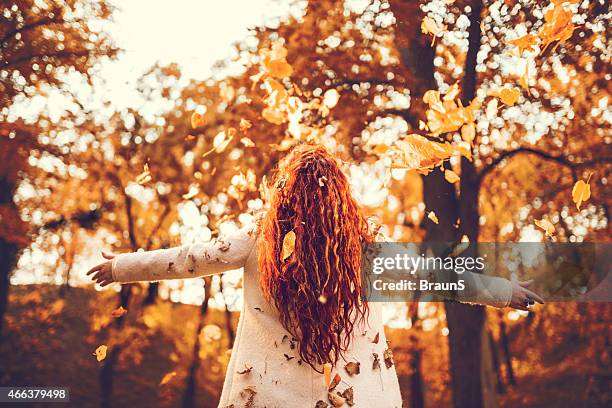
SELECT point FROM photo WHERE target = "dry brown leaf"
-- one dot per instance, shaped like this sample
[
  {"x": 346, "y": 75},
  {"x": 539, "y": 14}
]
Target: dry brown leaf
[
  {"x": 335, "y": 381},
  {"x": 336, "y": 399},
  {"x": 352, "y": 368},
  {"x": 376, "y": 338},
  {"x": 321, "y": 404},
  {"x": 348, "y": 395},
  {"x": 376, "y": 362},
  {"x": 388, "y": 356},
  {"x": 247, "y": 370},
  {"x": 288, "y": 245}
]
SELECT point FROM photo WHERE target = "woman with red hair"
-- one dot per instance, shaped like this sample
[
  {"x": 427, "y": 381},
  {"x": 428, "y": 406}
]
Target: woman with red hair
[{"x": 306, "y": 338}]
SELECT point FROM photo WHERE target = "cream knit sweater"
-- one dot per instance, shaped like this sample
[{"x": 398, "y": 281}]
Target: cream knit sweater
[{"x": 265, "y": 369}]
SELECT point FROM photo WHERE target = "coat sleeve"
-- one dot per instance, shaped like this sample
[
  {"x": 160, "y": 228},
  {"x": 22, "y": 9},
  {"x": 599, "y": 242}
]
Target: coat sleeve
[{"x": 188, "y": 261}]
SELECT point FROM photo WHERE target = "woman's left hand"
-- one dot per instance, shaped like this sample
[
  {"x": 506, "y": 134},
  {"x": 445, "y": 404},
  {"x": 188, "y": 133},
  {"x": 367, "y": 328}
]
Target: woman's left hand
[
  {"x": 104, "y": 271},
  {"x": 523, "y": 298}
]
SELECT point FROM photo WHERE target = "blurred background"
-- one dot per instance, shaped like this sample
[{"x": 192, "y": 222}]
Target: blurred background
[{"x": 128, "y": 125}]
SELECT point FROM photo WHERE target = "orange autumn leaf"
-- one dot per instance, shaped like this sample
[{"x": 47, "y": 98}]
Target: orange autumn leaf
[
  {"x": 167, "y": 378},
  {"x": 274, "y": 61},
  {"x": 288, "y": 245},
  {"x": 451, "y": 176},
  {"x": 327, "y": 372},
  {"x": 468, "y": 132},
  {"x": 197, "y": 120},
  {"x": 274, "y": 116},
  {"x": 558, "y": 26},
  {"x": 120, "y": 311},
  {"x": 509, "y": 96},
  {"x": 547, "y": 226},
  {"x": 100, "y": 352},
  {"x": 416, "y": 152},
  {"x": 433, "y": 217},
  {"x": 581, "y": 192},
  {"x": 526, "y": 42}
]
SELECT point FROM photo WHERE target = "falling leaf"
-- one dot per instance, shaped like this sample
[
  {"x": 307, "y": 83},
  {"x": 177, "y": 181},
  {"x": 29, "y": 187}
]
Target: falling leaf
[
  {"x": 330, "y": 98},
  {"x": 100, "y": 353},
  {"x": 526, "y": 42},
  {"x": 245, "y": 125},
  {"x": 348, "y": 395},
  {"x": 432, "y": 216},
  {"x": 581, "y": 192},
  {"x": 352, "y": 368},
  {"x": 524, "y": 79},
  {"x": 334, "y": 382},
  {"x": 247, "y": 142},
  {"x": 468, "y": 132},
  {"x": 167, "y": 378},
  {"x": 322, "y": 181},
  {"x": 274, "y": 116},
  {"x": 336, "y": 399},
  {"x": 430, "y": 26},
  {"x": 197, "y": 119},
  {"x": 288, "y": 245},
  {"x": 388, "y": 356},
  {"x": 120, "y": 311},
  {"x": 509, "y": 96},
  {"x": 451, "y": 177},
  {"x": 547, "y": 226},
  {"x": 145, "y": 176},
  {"x": 558, "y": 26},
  {"x": 274, "y": 61}
]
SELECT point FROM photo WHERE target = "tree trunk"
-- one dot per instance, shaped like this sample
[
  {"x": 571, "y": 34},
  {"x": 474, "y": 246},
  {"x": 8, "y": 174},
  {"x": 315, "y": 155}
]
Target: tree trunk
[
  {"x": 152, "y": 292},
  {"x": 503, "y": 336},
  {"x": 8, "y": 251},
  {"x": 496, "y": 365},
  {"x": 189, "y": 393}
]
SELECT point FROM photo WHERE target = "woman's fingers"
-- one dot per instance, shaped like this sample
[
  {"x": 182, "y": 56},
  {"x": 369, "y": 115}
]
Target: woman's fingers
[
  {"x": 95, "y": 268},
  {"x": 525, "y": 283},
  {"x": 534, "y": 296}
]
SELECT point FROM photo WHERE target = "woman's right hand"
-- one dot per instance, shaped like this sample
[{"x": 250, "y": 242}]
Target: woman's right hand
[
  {"x": 104, "y": 271},
  {"x": 523, "y": 298}
]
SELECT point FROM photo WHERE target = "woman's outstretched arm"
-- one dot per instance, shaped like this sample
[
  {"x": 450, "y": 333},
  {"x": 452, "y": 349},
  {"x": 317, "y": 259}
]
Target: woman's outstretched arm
[{"x": 188, "y": 261}]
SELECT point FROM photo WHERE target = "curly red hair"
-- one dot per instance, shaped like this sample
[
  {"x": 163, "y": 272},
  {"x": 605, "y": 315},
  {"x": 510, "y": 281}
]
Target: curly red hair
[{"x": 317, "y": 290}]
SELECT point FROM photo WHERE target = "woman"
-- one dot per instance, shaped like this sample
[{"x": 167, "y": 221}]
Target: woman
[{"x": 303, "y": 320}]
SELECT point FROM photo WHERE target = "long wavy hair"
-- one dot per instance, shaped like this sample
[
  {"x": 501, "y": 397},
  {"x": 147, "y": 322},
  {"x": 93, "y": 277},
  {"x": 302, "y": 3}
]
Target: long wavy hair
[{"x": 317, "y": 289}]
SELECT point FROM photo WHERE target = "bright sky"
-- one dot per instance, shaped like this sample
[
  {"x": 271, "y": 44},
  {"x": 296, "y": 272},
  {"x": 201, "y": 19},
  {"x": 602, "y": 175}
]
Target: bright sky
[{"x": 193, "y": 33}]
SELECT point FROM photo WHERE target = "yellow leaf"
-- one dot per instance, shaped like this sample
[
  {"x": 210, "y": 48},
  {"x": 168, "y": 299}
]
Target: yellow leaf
[
  {"x": 451, "y": 176},
  {"x": 327, "y": 371},
  {"x": 120, "y": 311},
  {"x": 274, "y": 116},
  {"x": 433, "y": 217},
  {"x": 547, "y": 226},
  {"x": 245, "y": 125},
  {"x": 288, "y": 245},
  {"x": 100, "y": 352},
  {"x": 167, "y": 378},
  {"x": 197, "y": 119},
  {"x": 581, "y": 192},
  {"x": 274, "y": 60},
  {"x": 247, "y": 142},
  {"x": 145, "y": 176},
  {"x": 558, "y": 25},
  {"x": 509, "y": 96},
  {"x": 468, "y": 132}
]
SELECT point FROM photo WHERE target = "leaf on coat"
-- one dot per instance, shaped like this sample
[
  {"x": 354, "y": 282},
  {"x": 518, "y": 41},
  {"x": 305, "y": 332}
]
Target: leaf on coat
[
  {"x": 288, "y": 357},
  {"x": 167, "y": 378},
  {"x": 376, "y": 362},
  {"x": 376, "y": 338},
  {"x": 334, "y": 382},
  {"x": 547, "y": 226},
  {"x": 321, "y": 404},
  {"x": 352, "y": 368},
  {"x": 288, "y": 245},
  {"x": 348, "y": 395},
  {"x": 249, "y": 393},
  {"x": 451, "y": 176},
  {"x": 247, "y": 370},
  {"x": 120, "y": 311},
  {"x": 100, "y": 352},
  {"x": 336, "y": 399},
  {"x": 388, "y": 356},
  {"x": 433, "y": 217},
  {"x": 327, "y": 372},
  {"x": 581, "y": 192}
]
